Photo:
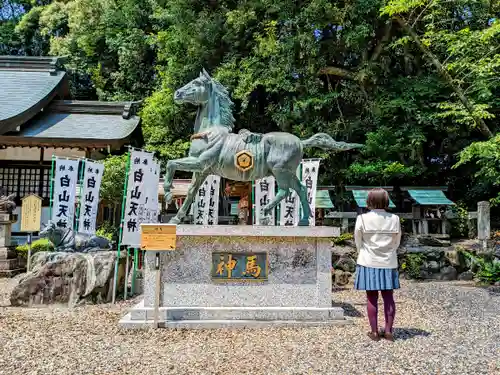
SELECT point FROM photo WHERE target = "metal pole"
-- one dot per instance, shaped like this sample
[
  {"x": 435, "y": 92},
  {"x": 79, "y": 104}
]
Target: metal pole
[
  {"x": 53, "y": 162},
  {"x": 78, "y": 207},
  {"x": 134, "y": 271},
  {"x": 254, "y": 214},
  {"x": 157, "y": 290},
  {"x": 115, "y": 279},
  {"x": 28, "y": 265},
  {"x": 125, "y": 289}
]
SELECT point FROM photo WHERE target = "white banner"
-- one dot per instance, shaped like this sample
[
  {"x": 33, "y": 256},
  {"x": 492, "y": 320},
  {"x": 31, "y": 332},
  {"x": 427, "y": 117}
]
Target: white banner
[
  {"x": 138, "y": 193},
  {"x": 152, "y": 209},
  {"x": 206, "y": 204},
  {"x": 289, "y": 207},
  {"x": 310, "y": 170},
  {"x": 89, "y": 199},
  {"x": 64, "y": 192},
  {"x": 265, "y": 191}
]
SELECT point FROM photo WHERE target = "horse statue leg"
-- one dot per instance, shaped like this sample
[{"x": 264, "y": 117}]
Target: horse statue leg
[
  {"x": 301, "y": 191},
  {"x": 287, "y": 180},
  {"x": 280, "y": 195},
  {"x": 198, "y": 179},
  {"x": 188, "y": 164}
]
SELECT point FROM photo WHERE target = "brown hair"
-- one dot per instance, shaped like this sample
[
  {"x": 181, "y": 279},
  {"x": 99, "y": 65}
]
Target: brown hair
[{"x": 377, "y": 199}]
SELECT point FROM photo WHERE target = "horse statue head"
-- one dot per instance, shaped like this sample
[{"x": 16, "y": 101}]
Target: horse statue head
[{"x": 212, "y": 99}]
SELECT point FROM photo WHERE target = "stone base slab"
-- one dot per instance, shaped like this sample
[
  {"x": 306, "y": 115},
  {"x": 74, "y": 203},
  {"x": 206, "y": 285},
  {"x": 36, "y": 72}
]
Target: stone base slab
[
  {"x": 12, "y": 272},
  {"x": 233, "y": 317},
  {"x": 128, "y": 323},
  {"x": 8, "y": 264},
  {"x": 7, "y": 253}
]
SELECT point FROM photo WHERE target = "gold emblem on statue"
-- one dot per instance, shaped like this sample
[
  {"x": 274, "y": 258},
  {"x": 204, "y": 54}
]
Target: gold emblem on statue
[{"x": 244, "y": 160}]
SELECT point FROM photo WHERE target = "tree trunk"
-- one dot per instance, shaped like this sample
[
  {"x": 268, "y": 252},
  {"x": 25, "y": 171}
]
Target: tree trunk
[{"x": 479, "y": 121}]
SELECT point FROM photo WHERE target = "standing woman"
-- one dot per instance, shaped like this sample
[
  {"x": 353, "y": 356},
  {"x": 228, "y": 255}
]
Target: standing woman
[{"x": 377, "y": 235}]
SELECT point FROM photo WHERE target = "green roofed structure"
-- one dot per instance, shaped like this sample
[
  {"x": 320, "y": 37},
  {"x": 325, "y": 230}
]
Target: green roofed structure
[
  {"x": 428, "y": 209},
  {"x": 430, "y": 197},
  {"x": 361, "y": 194},
  {"x": 323, "y": 199}
]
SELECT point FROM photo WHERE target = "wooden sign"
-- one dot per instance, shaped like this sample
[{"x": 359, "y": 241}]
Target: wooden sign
[
  {"x": 158, "y": 237},
  {"x": 31, "y": 213}
]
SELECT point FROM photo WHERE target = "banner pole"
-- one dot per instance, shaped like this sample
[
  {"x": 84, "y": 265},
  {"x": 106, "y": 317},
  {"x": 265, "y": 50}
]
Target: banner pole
[
  {"x": 301, "y": 166},
  {"x": 125, "y": 289},
  {"x": 254, "y": 214},
  {"x": 53, "y": 162},
  {"x": 78, "y": 207},
  {"x": 134, "y": 271},
  {"x": 115, "y": 279}
]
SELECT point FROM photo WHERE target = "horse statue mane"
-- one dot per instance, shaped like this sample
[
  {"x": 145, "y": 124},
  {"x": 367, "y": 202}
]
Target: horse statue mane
[{"x": 221, "y": 100}]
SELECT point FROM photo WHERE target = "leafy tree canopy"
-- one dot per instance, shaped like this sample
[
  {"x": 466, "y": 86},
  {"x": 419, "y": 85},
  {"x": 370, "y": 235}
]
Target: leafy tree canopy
[{"x": 417, "y": 81}]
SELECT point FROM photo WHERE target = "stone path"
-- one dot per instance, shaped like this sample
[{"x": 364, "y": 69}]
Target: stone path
[{"x": 441, "y": 328}]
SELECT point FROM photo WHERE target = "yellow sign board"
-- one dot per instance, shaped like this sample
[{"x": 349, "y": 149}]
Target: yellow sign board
[
  {"x": 158, "y": 237},
  {"x": 31, "y": 213}
]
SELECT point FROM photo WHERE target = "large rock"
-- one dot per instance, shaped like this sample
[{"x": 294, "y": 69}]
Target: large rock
[
  {"x": 448, "y": 273},
  {"x": 466, "y": 276},
  {"x": 341, "y": 278},
  {"x": 431, "y": 266},
  {"x": 434, "y": 241},
  {"x": 455, "y": 258},
  {"x": 345, "y": 263},
  {"x": 68, "y": 278}
]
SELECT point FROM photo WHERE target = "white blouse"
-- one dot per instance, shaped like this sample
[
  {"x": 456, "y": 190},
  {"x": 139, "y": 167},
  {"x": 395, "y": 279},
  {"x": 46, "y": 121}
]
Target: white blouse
[{"x": 377, "y": 235}]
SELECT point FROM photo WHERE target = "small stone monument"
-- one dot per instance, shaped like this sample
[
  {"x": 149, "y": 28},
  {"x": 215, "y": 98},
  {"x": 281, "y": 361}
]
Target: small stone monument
[
  {"x": 483, "y": 223},
  {"x": 9, "y": 263}
]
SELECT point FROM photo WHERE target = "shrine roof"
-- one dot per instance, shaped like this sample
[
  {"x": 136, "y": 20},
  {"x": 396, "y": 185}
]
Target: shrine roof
[
  {"x": 28, "y": 84},
  {"x": 323, "y": 199},
  {"x": 78, "y": 124},
  {"x": 360, "y": 196},
  {"x": 430, "y": 197}
]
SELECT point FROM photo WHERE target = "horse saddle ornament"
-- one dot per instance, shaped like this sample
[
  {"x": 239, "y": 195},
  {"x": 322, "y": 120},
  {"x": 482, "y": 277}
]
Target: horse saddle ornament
[{"x": 244, "y": 160}]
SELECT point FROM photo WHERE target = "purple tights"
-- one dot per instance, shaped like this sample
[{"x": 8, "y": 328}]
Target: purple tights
[{"x": 389, "y": 309}]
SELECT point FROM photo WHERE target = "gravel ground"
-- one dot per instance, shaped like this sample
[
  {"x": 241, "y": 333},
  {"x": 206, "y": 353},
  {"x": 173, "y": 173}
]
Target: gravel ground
[{"x": 441, "y": 328}]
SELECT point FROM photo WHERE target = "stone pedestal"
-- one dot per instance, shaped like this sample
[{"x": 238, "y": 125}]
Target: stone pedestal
[
  {"x": 9, "y": 264},
  {"x": 297, "y": 290}
]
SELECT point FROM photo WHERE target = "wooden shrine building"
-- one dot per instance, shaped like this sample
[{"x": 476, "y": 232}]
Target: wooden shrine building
[{"x": 38, "y": 119}]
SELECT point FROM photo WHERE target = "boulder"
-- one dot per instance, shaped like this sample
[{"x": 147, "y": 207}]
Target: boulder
[
  {"x": 448, "y": 273},
  {"x": 466, "y": 276},
  {"x": 68, "y": 278},
  {"x": 345, "y": 263},
  {"x": 341, "y": 277},
  {"x": 431, "y": 266},
  {"x": 433, "y": 241},
  {"x": 455, "y": 258}
]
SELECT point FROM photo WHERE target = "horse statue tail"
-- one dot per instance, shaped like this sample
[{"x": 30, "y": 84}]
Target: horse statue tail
[{"x": 325, "y": 142}]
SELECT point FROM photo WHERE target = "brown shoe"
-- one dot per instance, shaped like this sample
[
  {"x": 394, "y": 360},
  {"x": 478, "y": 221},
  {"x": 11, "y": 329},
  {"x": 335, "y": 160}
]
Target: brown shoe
[
  {"x": 374, "y": 336},
  {"x": 388, "y": 336}
]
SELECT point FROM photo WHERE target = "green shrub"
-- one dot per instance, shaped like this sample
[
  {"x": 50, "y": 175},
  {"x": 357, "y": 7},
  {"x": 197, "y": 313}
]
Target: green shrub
[
  {"x": 412, "y": 265},
  {"x": 459, "y": 225},
  {"x": 42, "y": 244},
  {"x": 488, "y": 271},
  {"x": 342, "y": 239},
  {"x": 108, "y": 230}
]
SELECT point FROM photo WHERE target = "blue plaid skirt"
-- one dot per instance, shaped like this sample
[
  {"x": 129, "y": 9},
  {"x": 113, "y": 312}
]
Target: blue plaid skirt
[{"x": 368, "y": 278}]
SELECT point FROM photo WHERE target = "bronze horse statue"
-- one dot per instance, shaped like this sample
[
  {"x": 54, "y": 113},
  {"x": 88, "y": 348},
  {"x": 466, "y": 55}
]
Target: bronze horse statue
[{"x": 244, "y": 156}]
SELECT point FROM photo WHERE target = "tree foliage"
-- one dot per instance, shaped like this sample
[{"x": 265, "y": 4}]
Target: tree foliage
[
  {"x": 417, "y": 81},
  {"x": 113, "y": 179}
]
